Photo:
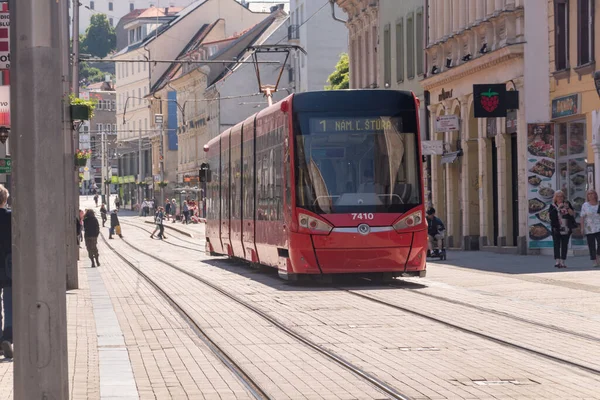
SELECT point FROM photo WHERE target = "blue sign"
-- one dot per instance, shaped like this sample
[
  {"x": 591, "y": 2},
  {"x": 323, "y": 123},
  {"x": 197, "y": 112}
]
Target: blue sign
[
  {"x": 172, "y": 120},
  {"x": 566, "y": 106}
]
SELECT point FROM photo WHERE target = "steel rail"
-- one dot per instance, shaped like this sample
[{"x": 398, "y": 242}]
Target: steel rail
[
  {"x": 379, "y": 384},
  {"x": 254, "y": 389}
]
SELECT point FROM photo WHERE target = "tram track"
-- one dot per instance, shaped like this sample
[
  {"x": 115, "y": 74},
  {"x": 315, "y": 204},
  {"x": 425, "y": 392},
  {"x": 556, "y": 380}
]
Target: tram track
[
  {"x": 382, "y": 386},
  {"x": 253, "y": 388},
  {"x": 171, "y": 235},
  {"x": 489, "y": 337},
  {"x": 452, "y": 301}
]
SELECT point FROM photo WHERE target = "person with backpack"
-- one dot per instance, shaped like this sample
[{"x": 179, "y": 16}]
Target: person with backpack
[
  {"x": 6, "y": 342},
  {"x": 92, "y": 231}
]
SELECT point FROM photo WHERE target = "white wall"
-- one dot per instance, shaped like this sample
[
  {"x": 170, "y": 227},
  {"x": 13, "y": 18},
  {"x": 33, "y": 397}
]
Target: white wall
[
  {"x": 323, "y": 39},
  {"x": 537, "y": 62}
]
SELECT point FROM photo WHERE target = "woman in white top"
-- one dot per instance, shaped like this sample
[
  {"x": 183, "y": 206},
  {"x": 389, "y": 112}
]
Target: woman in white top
[{"x": 590, "y": 222}]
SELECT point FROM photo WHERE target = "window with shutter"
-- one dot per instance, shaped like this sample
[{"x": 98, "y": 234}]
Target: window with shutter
[
  {"x": 420, "y": 47},
  {"x": 387, "y": 57},
  {"x": 410, "y": 46},
  {"x": 561, "y": 34},
  {"x": 585, "y": 22},
  {"x": 400, "y": 51}
]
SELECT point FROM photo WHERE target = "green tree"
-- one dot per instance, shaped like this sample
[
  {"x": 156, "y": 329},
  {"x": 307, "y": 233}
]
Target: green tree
[
  {"x": 340, "y": 78},
  {"x": 100, "y": 38}
]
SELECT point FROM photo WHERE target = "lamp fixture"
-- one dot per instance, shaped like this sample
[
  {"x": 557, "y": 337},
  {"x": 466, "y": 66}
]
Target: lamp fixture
[
  {"x": 467, "y": 57},
  {"x": 483, "y": 49},
  {"x": 434, "y": 70},
  {"x": 448, "y": 62}
]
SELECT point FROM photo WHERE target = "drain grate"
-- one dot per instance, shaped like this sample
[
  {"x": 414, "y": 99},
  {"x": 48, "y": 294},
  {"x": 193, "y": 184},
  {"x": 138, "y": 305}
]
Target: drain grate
[
  {"x": 418, "y": 349},
  {"x": 518, "y": 382}
]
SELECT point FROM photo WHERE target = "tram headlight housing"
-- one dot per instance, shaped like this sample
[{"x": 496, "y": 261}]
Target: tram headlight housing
[
  {"x": 314, "y": 225},
  {"x": 409, "y": 221}
]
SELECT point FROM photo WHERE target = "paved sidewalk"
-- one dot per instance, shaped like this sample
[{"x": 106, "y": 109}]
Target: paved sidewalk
[{"x": 84, "y": 373}]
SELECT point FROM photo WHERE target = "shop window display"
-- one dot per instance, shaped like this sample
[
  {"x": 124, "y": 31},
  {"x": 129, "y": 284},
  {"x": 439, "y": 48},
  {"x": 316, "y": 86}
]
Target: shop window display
[{"x": 572, "y": 162}]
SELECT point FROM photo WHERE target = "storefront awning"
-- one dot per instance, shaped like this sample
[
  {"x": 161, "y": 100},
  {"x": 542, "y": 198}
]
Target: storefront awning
[{"x": 449, "y": 158}]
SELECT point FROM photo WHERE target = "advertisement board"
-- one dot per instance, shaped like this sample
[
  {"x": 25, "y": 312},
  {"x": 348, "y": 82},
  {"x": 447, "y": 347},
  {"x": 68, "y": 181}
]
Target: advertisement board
[
  {"x": 447, "y": 123},
  {"x": 4, "y": 36},
  {"x": 5, "y": 106},
  {"x": 541, "y": 183}
]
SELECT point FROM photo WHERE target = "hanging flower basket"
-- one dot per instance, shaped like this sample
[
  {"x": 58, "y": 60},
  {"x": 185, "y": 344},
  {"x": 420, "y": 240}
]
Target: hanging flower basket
[
  {"x": 107, "y": 182},
  {"x": 141, "y": 184},
  {"x": 81, "y": 157},
  {"x": 163, "y": 184}
]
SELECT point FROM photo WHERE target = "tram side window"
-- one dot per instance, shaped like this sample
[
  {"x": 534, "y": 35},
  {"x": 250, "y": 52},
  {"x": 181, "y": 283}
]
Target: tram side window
[
  {"x": 213, "y": 189},
  {"x": 225, "y": 180},
  {"x": 269, "y": 189},
  {"x": 236, "y": 198},
  {"x": 248, "y": 180}
]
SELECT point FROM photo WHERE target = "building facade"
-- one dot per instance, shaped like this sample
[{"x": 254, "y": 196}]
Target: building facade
[
  {"x": 575, "y": 105},
  {"x": 480, "y": 182},
  {"x": 116, "y": 9},
  {"x": 363, "y": 46},
  {"x": 309, "y": 23}
]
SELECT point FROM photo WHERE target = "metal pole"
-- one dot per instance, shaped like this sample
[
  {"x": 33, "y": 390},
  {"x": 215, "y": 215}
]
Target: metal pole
[
  {"x": 162, "y": 163},
  {"x": 140, "y": 170},
  {"x": 38, "y": 45},
  {"x": 73, "y": 200}
]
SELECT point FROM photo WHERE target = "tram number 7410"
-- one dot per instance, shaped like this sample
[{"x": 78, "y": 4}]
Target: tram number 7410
[{"x": 362, "y": 216}]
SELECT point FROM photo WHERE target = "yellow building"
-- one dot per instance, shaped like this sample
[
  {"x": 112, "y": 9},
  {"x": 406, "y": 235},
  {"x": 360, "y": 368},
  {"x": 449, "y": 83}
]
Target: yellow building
[
  {"x": 575, "y": 105},
  {"x": 572, "y": 92}
]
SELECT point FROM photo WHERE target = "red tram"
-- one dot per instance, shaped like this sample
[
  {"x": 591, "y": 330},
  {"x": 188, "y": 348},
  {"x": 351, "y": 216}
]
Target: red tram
[{"x": 321, "y": 183}]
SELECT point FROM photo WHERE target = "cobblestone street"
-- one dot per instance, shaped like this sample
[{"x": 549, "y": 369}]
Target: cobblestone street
[{"x": 480, "y": 326}]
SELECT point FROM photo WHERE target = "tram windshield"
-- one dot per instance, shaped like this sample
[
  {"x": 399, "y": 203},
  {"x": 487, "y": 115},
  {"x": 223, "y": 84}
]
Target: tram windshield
[{"x": 352, "y": 165}]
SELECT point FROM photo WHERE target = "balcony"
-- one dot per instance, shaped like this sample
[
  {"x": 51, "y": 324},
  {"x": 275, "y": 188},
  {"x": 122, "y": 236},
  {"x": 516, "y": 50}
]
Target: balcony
[{"x": 293, "y": 32}]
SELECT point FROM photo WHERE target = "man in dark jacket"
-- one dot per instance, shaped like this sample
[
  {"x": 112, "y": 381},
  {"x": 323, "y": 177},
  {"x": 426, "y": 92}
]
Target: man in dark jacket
[
  {"x": 92, "y": 230},
  {"x": 435, "y": 230},
  {"x": 114, "y": 225},
  {"x": 6, "y": 273}
]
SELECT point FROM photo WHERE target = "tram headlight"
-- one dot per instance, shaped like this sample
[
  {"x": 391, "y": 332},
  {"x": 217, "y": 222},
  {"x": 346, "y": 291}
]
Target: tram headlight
[
  {"x": 409, "y": 221},
  {"x": 314, "y": 225}
]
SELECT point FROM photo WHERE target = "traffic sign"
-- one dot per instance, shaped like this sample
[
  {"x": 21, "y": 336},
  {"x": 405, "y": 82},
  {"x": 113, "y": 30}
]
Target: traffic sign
[{"x": 5, "y": 166}]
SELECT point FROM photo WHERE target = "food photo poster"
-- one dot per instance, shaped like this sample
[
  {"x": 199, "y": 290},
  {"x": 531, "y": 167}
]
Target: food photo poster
[{"x": 541, "y": 183}]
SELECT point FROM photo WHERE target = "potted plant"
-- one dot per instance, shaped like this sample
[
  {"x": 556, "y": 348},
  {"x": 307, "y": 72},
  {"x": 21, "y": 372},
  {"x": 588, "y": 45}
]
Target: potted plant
[
  {"x": 82, "y": 109},
  {"x": 163, "y": 184},
  {"x": 141, "y": 184},
  {"x": 81, "y": 157}
]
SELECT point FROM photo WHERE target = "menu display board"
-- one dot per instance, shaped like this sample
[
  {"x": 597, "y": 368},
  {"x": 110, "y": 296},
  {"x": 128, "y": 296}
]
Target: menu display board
[{"x": 541, "y": 183}]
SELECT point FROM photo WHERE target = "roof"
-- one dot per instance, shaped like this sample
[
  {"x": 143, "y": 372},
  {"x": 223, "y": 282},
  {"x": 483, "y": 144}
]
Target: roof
[
  {"x": 173, "y": 68},
  {"x": 239, "y": 49},
  {"x": 161, "y": 29}
]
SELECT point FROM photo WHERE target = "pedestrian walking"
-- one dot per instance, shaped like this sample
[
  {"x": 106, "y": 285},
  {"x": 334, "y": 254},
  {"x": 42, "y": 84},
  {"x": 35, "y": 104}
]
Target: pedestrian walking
[
  {"x": 159, "y": 219},
  {"x": 6, "y": 342},
  {"x": 186, "y": 212},
  {"x": 115, "y": 227},
  {"x": 79, "y": 222},
  {"x": 117, "y": 202},
  {"x": 590, "y": 225},
  {"x": 103, "y": 214},
  {"x": 174, "y": 210},
  {"x": 145, "y": 208},
  {"x": 167, "y": 209},
  {"x": 562, "y": 222},
  {"x": 92, "y": 230},
  {"x": 95, "y": 198}
]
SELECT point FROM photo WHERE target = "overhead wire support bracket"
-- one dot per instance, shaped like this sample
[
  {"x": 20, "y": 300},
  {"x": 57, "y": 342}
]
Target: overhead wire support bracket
[{"x": 267, "y": 89}]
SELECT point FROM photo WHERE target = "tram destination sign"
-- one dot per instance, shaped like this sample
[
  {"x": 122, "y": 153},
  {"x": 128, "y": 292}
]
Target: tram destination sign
[{"x": 354, "y": 125}]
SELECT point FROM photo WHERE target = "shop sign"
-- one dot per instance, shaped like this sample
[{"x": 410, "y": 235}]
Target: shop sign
[
  {"x": 566, "y": 106},
  {"x": 130, "y": 179},
  {"x": 511, "y": 122},
  {"x": 5, "y": 166},
  {"x": 4, "y": 36},
  {"x": 114, "y": 179},
  {"x": 121, "y": 180},
  {"x": 432, "y": 147},
  {"x": 156, "y": 178},
  {"x": 447, "y": 123},
  {"x": 591, "y": 178},
  {"x": 491, "y": 127},
  {"x": 490, "y": 101},
  {"x": 5, "y": 106},
  {"x": 445, "y": 95}
]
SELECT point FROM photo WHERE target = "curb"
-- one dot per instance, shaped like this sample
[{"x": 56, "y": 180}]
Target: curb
[{"x": 173, "y": 228}]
